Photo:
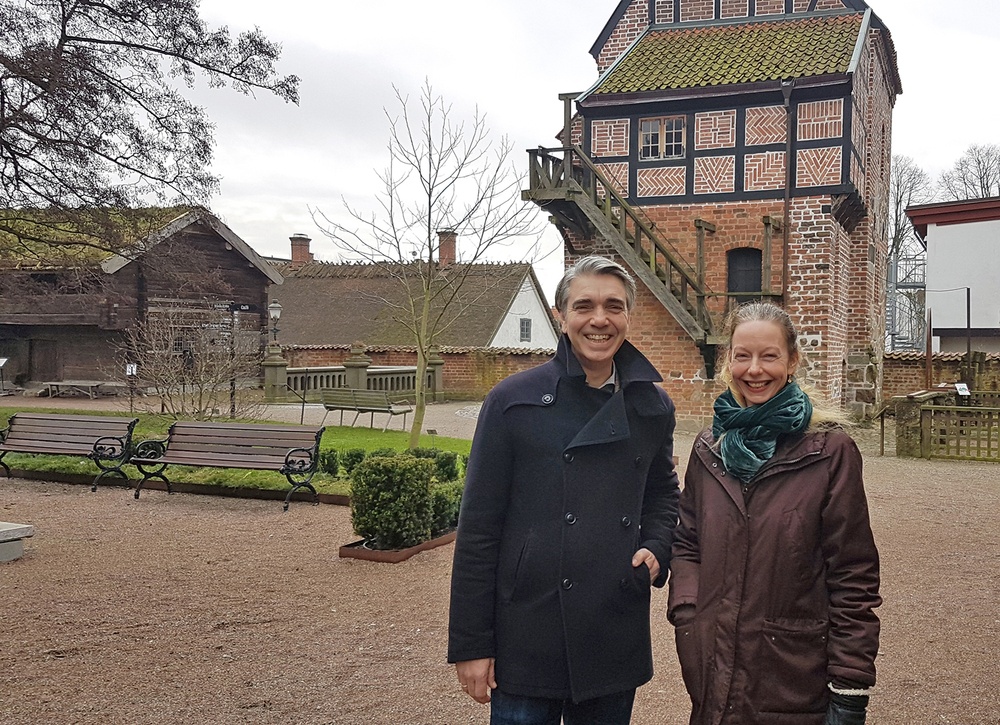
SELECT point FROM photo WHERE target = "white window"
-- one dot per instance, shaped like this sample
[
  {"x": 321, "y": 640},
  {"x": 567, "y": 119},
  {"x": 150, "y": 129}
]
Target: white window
[
  {"x": 525, "y": 329},
  {"x": 661, "y": 138}
]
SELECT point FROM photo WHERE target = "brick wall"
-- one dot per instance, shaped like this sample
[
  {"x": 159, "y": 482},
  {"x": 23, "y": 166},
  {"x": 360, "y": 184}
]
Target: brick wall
[
  {"x": 610, "y": 138},
  {"x": 697, "y": 10},
  {"x": 633, "y": 22},
  {"x": 715, "y": 130},
  {"x": 664, "y": 11},
  {"x": 905, "y": 372},
  {"x": 735, "y": 8}
]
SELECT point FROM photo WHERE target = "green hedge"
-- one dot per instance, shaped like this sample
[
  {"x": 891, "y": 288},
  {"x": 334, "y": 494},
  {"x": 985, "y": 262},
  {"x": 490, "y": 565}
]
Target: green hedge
[{"x": 391, "y": 501}]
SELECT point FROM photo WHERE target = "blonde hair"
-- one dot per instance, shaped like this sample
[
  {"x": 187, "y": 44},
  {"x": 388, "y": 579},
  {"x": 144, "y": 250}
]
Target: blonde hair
[{"x": 825, "y": 413}]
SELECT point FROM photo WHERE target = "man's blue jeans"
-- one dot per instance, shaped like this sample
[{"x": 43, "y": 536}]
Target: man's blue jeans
[{"x": 615, "y": 709}]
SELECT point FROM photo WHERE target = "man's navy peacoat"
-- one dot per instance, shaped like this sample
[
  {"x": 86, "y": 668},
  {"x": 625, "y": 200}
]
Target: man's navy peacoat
[{"x": 565, "y": 483}]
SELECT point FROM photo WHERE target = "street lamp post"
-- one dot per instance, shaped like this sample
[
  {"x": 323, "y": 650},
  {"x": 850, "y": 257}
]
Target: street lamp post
[
  {"x": 275, "y": 366},
  {"x": 274, "y": 312}
]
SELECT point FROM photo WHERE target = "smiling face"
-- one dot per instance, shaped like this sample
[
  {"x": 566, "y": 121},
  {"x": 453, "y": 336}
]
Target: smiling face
[
  {"x": 760, "y": 360},
  {"x": 596, "y": 321}
]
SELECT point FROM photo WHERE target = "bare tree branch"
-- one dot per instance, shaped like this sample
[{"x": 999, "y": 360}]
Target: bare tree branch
[
  {"x": 443, "y": 173},
  {"x": 90, "y": 113},
  {"x": 974, "y": 176}
]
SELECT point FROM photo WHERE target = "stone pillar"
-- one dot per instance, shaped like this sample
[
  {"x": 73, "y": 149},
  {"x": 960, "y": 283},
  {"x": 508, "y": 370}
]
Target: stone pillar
[
  {"x": 356, "y": 367},
  {"x": 275, "y": 375},
  {"x": 435, "y": 364},
  {"x": 909, "y": 423}
]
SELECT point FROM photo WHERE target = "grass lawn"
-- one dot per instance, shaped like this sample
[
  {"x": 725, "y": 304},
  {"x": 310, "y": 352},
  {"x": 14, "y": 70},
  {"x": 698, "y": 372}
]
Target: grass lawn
[{"x": 155, "y": 427}]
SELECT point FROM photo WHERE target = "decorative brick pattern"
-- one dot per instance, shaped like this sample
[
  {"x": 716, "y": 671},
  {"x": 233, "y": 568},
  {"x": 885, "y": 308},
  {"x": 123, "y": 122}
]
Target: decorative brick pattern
[
  {"x": 830, "y": 5},
  {"x": 633, "y": 22},
  {"x": 764, "y": 172},
  {"x": 821, "y": 119},
  {"x": 610, "y": 138},
  {"x": 819, "y": 167},
  {"x": 801, "y": 6},
  {"x": 662, "y": 181},
  {"x": 770, "y": 7},
  {"x": 715, "y": 175},
  {"x": 697, "y": 10},
  {"x": 664, "y": 11},
  {"x": 735, "y": 8},
  {"x": 616, "y": 174},
  {"x": 766, "y": 125},
  {"x": 715, "y": 130}
]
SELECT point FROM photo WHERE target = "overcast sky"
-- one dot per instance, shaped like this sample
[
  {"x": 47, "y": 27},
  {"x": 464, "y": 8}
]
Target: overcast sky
[{"x": 511, "y": 58}]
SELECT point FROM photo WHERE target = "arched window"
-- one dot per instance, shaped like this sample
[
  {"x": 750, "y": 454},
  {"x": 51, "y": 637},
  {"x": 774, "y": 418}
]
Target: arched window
[{"x": 743, "y": 275}]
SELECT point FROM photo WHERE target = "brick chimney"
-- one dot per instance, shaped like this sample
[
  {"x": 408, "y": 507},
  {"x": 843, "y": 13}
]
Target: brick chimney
[
  {"x": 300, "y": 250},
  {"x": 447, "y": 244}
]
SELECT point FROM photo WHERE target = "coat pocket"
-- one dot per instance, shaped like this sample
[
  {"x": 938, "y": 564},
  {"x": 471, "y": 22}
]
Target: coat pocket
[
  {"x": 791, "y": 677},
  {"x": 512, "y": 577}
]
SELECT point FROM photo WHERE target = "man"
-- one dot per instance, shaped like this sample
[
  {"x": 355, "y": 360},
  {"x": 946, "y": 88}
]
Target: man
[{"x": 567, "y": 519}]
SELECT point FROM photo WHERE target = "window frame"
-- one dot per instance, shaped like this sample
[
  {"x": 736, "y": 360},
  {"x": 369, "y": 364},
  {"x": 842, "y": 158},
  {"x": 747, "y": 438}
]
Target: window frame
[
  {"x": 525, "y": 329},
  {"x": 678, "y": 136}
]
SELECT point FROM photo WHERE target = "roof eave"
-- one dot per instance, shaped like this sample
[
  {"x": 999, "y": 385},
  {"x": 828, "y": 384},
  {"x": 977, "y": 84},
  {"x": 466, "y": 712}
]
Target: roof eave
[{"x": 678, "y": 94}]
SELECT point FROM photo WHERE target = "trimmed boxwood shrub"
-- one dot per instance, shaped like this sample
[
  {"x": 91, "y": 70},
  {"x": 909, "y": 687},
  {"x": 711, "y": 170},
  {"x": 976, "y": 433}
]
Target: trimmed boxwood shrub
[
  {"x": 446, "y": 500},
  {"x": 328, "y": 462},
  {"x": 391, "y": 501},
  {"x": 446, "y": 463},
  {"x": 351, "y": 458}
]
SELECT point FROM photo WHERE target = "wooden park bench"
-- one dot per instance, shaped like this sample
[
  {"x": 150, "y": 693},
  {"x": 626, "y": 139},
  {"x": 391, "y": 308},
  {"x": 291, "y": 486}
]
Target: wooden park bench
[
  {"x": 364, "y": 401},
  {"x": 106, "y": 440},
  {"x": 291, "y": 450}
]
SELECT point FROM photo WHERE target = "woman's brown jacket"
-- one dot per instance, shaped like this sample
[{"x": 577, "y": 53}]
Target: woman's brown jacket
[{"x": 784, "y": 575}]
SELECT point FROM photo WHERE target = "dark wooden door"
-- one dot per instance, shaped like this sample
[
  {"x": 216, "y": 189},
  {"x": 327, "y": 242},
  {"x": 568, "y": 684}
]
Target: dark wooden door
[
  {"x": 43, "y": 361},
  {"x": 744, "y": 274}
]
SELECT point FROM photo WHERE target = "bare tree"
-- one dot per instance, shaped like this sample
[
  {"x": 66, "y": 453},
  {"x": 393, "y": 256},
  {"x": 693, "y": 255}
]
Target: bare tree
[
  {"x": 908, "y": 185},
  {"x": 195, "y": 360},
  {"x": 92, "y": 124},
  {"x": 443, "y": 174},
  {"x": 974, "y": 176}
]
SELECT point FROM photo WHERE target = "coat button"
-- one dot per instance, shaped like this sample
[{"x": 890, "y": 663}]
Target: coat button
[
  {"x": 567, "y": 584},
  {"x": 568, "y": 457},
  {"x": 626, "y": 521},
  {"x": 638, "y": 461},
  {"x": 548, "y": 398},
  {"x": 715, "y": 465},
  {"x": 570, "y": 519}
]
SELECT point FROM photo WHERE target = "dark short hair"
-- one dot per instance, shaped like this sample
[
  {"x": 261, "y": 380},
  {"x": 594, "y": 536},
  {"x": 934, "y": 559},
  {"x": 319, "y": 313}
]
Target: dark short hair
[{"x": 594, "y": 264}]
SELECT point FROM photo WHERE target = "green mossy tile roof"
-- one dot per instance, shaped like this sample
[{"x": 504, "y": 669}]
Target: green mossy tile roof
[{"x": 721, "y": 55}]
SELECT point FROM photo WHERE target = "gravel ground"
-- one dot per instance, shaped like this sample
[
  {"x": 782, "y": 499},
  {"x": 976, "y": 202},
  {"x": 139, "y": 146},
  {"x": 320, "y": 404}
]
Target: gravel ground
[{"x": 196, "y": 609}]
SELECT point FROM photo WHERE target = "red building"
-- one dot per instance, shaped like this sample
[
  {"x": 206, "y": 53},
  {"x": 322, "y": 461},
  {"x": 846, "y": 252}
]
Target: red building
[{"x": 736, "y": 149}]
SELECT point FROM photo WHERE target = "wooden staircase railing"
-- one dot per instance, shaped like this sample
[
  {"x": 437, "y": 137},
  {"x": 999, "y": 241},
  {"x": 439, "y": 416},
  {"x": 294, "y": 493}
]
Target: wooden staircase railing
[{"x": 566, "y": 183}]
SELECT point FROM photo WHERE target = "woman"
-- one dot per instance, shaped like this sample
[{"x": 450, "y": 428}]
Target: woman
[{"x": 775, "y": 571}]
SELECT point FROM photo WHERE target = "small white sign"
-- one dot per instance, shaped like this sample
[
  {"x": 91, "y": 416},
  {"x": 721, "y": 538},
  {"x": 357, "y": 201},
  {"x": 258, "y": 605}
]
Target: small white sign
[
  {"x": 131, "y": 369},
  {"x": 962, "y": 389}
]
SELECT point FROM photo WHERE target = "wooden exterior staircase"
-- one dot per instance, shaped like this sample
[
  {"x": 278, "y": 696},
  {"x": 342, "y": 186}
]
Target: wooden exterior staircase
[{"x": 570, "y": 187}]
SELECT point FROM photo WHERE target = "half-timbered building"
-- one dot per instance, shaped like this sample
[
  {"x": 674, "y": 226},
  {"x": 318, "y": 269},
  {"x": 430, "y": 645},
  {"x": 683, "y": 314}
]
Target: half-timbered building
[{"x": 732, "y": 150}]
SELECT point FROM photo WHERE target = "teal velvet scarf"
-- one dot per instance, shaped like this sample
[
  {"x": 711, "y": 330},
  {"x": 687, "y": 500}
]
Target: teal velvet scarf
[{"x": 750, "y": 435}]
